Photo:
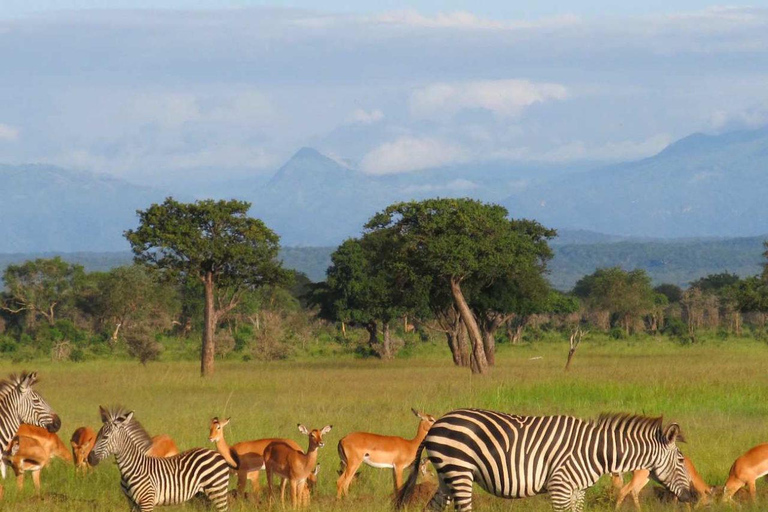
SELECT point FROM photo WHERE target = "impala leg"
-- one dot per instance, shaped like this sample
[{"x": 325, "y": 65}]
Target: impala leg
[
  {"x": 752, "y": 490},
  {"x": 294, "y": 493},
  {"x": 36, "y": 480},
  {"x": 300, "y": 488},
  {"x": 398, "y": 477},
  {"x": 342, "y": 484},
  {"x": 253, "y": 476},
  {"x": 269, "y": 484},
  {"x": 283, "y": 485},
  {"x": 242, "y": 478}
]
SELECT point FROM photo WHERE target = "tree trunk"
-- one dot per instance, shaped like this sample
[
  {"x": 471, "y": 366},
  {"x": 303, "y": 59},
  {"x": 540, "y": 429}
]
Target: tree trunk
[
  {"x": 373, "y": 335},
  {"x": 457, "y": 342},
  {"x": 209, "y": 344},
  {"x": 478, "y": 362},
  {"x": 570, "y": 356},
  {"x": 385, "y": 350},
  {"x": 343, "y": 330}
]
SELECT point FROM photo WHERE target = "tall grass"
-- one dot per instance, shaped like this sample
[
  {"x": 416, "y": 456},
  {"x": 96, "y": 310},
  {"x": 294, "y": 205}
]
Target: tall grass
[{"x": 718, "y": 392}]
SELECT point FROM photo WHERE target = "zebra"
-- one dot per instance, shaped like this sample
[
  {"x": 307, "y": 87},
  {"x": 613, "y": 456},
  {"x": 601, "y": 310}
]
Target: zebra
[
  {"x": 514, "y": 456},
  {"x": 19, "y": 403},
  {"x": 151, "y": 481}
]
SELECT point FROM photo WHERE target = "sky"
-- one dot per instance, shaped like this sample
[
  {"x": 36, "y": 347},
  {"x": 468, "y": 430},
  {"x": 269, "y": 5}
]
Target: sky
[{"x": 142, "y": 89}]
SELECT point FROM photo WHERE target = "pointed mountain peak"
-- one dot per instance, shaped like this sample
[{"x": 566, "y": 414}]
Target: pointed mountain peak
[
  {"x": 308, "y": 153},
  {"x": 307, "y": 164}
]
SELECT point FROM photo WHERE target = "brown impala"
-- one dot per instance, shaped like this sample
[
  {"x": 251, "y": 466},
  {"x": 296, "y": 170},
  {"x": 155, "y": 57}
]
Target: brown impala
[
  {"x": 294, "y": 465},
  {"x": 248, "y": 454},
  {"x": 82, "y": 441},
  {"x": 641, "y": 477},
  {"x": 745, "y": 470},
  {"x": 31, "y": 450},
  {"x": 379, "y": 452}
]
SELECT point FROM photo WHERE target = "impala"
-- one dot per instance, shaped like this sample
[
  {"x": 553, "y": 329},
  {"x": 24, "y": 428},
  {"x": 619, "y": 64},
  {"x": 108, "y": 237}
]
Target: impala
[
  {"x": 294, "y": 465},
  {"x": 641, "y": 477},
  {"x": 84, "y": 438},
  {"x": 163, "y": 446},
  {"x": 82, "y": 442},
  {"x": 745, "y": 470},
  {"x": 246, "y": 456},
  {"x": 379, "y": 452},
  {"x": 31, "y": 450}
]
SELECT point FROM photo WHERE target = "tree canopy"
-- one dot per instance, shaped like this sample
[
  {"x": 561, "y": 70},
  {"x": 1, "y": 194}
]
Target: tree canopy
[{"x": 215, "y": 242}]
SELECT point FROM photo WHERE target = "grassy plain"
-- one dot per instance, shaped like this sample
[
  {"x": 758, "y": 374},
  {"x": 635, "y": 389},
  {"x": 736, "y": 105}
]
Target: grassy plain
[{"x": 717, "y": 391}]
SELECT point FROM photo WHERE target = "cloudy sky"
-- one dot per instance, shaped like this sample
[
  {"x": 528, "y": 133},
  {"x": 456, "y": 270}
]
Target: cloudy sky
[{"x": 127, "y": 88}]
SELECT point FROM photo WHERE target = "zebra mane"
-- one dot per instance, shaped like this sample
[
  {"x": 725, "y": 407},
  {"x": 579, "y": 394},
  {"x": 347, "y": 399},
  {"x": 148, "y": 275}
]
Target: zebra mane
[
  {"x": 12, "y": 382},
  {"x": 133, "y": 428},
  {"x": 608, "y": 421}
]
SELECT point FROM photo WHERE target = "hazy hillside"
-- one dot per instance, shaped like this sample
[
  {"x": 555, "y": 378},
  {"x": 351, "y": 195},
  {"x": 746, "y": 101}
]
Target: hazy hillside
[
  {"x": 699, "y": 186},
  {"x": 46, "y": 208}
]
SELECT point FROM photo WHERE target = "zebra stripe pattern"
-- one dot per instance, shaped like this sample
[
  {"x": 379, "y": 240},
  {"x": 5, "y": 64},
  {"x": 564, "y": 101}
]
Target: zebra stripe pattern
[
  {"x": 19, "y": 403},
  {"x": 151, "y": 481},
  {"x": 519, "y": 456}
]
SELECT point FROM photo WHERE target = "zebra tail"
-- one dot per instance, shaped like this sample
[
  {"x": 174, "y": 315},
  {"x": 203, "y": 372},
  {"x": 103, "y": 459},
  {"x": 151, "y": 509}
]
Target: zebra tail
[
  {"x": 405, "y": 493},
  {"x": 342, "y": 458}
]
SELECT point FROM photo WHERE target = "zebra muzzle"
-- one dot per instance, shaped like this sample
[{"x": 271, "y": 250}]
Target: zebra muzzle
[{"x": 54, "y": 425}]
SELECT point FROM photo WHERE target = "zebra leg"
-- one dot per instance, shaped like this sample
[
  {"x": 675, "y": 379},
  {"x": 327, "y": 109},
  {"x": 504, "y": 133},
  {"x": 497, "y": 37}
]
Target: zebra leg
[
  {"x": 565, "y": 498},
  {"x": 217, "y": 494},
  {"x": 459, "y": 490},
  {"x": 146, "y": 503}
]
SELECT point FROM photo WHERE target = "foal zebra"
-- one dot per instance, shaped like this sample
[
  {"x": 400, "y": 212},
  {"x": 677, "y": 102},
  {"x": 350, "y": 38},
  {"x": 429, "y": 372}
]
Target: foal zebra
[
  {"x": 19, "y": 403},
  {"x": 520, "y": 456},
  {"x": 150, "y": 481}
]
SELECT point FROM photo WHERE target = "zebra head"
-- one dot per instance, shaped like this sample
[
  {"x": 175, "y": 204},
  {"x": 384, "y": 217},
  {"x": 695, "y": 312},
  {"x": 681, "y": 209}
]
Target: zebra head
[
  {"x": 669, "y": 469},
  {"x": 32, "y": 408},
  {"x": 117, "y": 429}
]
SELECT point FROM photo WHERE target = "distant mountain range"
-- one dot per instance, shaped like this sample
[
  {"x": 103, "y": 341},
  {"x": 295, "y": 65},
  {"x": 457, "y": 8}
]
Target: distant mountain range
[
  {"x": 678, "y": 262},
  {"x": 700, "y": 186}
]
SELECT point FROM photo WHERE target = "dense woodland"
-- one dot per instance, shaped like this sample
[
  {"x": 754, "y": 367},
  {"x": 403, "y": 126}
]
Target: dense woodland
[{"x": 456, "y": 272}]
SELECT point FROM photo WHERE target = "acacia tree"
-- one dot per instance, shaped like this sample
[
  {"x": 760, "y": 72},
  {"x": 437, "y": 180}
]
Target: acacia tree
[
  {"x": 41, "y": 287},
  {"x": 626, "y": 295},
  {"x": 362, "y": 288},
  {"x": 212, "y": 241},
  {"x": 462, "y": 243}
]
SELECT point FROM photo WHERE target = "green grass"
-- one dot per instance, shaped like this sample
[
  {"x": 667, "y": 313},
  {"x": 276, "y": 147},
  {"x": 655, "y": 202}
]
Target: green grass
[{"x": 717, "y": 392}]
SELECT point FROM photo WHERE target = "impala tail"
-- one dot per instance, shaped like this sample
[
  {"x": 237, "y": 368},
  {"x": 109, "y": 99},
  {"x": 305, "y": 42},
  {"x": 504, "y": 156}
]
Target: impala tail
[
  {"x": 406, "y": 491},
  {"x": 342, "y": 458}
]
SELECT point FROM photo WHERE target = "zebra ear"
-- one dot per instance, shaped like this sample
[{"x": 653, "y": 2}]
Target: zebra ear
[
  {"x": 26, "y": 381},
  {"x": 127, "y": 418},
  {"x": 672, "y": 433},
  {"x": 103, "y": 414}
]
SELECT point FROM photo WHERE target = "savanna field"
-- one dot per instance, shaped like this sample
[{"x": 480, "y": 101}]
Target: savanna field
[{"x": 717, "y": 391}]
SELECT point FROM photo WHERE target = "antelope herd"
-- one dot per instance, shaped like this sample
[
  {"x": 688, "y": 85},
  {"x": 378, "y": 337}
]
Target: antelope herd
[{"x": 36, "y": 443}]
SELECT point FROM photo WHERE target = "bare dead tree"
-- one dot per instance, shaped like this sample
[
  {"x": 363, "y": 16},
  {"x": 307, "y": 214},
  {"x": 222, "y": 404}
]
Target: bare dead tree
[{"x": 577, "y": 334}]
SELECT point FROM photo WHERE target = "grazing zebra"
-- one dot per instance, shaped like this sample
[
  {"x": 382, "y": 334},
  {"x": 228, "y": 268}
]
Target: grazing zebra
[
  {"x": 19, "y": 403},
  {"x": 520, "y": 456},
  {"x": 150, "y": 481}
]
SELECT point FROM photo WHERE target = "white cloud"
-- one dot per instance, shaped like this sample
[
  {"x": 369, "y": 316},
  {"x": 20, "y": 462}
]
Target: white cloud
[
  {"x": 502, "y": 97},
  {"x": 360, "y": 116},
  {"x": 753, "y": 117},
  {"x": 8, "y": 132},
  {"x": 611, "y": 151},
  {"x": 466, "y": 21},
  {"x": 458, "y": 185},
  {"x": 166, "y": 109},
  {"x": 409, "y": 154}
]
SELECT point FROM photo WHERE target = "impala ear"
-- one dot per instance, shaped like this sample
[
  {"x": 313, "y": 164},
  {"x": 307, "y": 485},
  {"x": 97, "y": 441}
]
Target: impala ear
[
  {"x": 103, "y": 414},
  {"x": 326, "y": 429},
  {"x": 672, "y": 434},
  {"x": 303, "y": 429},
  {"x": 416, "y": 413},
  {"x": 225, "y": 422}
]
